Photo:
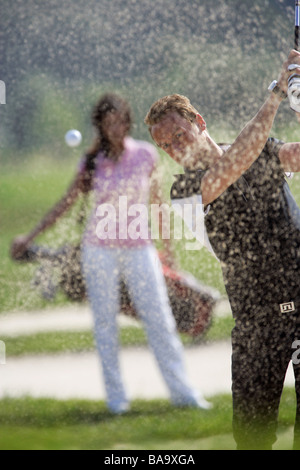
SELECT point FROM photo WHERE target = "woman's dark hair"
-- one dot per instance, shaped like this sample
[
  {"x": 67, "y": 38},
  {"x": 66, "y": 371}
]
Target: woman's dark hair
[{"x": 108, "y": 103}]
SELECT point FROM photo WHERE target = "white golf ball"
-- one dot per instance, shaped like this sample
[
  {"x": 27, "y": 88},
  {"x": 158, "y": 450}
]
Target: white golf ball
[{"x": 73, "y": 138}]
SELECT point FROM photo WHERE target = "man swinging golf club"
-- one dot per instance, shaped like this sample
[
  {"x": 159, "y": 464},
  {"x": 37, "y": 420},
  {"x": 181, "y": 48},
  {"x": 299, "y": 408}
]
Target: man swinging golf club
[{"x": 253, "y": 226}]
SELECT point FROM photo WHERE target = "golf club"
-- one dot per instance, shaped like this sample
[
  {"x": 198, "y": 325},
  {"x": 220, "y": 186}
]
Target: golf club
[{"x": 297, "y": 23}]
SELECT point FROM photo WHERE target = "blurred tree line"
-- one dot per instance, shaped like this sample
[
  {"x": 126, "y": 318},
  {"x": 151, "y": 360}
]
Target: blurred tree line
[{"x": 57, "y": 57}]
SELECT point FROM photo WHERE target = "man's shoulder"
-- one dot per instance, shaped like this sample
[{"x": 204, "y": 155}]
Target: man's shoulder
[
  {"x": 268, "y": 161},
  {"x": 187, "y": 184}
]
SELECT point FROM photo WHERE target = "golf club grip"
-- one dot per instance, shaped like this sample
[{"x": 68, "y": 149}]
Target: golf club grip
[
  {"x": 296, "y": 38},
  {"x": 297, "y": 23}
]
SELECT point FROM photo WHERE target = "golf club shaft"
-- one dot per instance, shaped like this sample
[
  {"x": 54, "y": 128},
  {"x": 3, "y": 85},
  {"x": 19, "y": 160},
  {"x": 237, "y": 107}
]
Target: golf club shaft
[{"x": 297, "y": 23}]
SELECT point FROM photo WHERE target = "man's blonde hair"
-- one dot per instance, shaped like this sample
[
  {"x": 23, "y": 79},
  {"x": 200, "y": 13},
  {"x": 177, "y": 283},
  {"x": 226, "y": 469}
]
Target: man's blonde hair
[{"x": 172, "y": 103}]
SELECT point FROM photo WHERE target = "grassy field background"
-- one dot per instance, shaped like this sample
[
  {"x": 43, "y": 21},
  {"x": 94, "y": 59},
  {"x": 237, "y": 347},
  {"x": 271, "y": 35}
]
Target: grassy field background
[{"x": 46, "y": 424}]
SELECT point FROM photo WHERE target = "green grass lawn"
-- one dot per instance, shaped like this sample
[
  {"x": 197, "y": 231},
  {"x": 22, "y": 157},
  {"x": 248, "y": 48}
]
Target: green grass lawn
[{"x": 46, "y": 424}]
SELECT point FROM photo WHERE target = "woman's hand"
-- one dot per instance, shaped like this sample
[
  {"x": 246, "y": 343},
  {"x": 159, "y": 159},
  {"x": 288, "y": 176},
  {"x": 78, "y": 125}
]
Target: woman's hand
[{"x": 19, "y": 245}]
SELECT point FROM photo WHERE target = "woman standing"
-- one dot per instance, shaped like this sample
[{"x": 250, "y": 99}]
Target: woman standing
[{"x": 117, "y": 169}]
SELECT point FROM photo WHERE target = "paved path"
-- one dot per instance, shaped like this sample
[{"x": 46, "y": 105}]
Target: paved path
[
  {"x": 66, "y": 376},
  {"x": 74, "y": 317},
  {"x": 78, "y": 375}
]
